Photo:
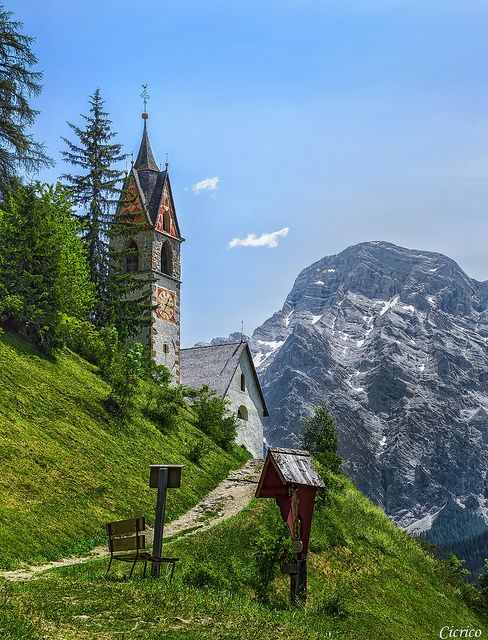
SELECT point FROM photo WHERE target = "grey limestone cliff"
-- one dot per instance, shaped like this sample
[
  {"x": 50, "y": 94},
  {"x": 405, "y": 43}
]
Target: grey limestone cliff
[{"x": 394, "y": 341}]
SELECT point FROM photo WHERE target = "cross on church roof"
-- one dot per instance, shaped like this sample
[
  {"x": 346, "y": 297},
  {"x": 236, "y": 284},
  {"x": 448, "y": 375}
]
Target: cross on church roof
[{"x": 145, "y": 98}]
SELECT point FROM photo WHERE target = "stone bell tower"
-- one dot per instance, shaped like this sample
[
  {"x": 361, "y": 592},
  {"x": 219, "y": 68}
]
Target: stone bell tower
[{"x": 155, "y": 251}]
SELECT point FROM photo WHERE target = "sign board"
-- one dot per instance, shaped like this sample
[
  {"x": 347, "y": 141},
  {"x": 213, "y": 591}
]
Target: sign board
[{"x": 174, "y": 475}]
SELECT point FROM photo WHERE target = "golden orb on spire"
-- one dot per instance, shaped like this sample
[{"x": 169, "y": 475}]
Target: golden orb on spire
[{"x": 145, "y": 115}]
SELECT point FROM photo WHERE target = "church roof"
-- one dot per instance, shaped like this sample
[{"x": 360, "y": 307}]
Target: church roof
[
  {"x": 215, "y": 366},
  {"x": 151, "y": 181}
]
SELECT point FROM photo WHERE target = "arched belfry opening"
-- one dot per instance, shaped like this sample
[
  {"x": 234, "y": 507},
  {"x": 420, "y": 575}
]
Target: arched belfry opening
[
  {"x": 167, "y": 259},
  {"x": 132, "y": 259}
]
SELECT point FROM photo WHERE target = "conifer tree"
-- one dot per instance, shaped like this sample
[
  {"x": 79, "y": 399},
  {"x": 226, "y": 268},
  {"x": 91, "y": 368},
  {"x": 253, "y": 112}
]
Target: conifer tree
[
  {"x": 18, "y": 82},
  {"x": 44, "y": 272},
  {"x": 319, "y": 436},
  {"x": 95, "y": 189}
]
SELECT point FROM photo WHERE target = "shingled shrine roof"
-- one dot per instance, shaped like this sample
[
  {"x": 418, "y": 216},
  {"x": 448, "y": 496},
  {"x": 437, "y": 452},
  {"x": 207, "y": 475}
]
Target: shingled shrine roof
[
  {"x": 215, "y": 366},
  {"x": 294, "y": 466}
]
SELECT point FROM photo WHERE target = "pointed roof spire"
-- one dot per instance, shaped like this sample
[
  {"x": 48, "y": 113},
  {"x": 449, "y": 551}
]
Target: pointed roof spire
[{"x": 145, "y": 158}]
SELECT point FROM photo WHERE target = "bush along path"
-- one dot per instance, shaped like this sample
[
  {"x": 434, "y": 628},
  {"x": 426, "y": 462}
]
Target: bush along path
[{"x": 226, "y": 500}]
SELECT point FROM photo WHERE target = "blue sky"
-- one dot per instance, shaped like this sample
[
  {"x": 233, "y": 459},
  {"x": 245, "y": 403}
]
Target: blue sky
[{"x": 341, "y": 121}]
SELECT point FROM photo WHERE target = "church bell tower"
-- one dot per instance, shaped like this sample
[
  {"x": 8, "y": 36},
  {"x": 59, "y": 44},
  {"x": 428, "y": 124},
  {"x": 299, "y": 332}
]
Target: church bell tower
[{"x": 155, "y": 251}]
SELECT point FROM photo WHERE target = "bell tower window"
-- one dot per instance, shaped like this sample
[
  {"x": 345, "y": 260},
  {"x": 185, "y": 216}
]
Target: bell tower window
[
  {"x": 132, "y": 259},
  {"x": 166, "y": 259},
  {"x": 166, "y": 222},
  {"x": 243, "y": 382}
]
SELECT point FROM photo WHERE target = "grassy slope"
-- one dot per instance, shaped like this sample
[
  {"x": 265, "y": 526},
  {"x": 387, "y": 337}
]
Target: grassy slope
[
  {"x": 66, "y": 466},
  {"x": 367, "y": 580}
]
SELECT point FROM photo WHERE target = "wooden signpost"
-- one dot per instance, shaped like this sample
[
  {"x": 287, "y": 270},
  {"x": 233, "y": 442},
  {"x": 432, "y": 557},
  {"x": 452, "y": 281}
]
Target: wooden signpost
[
  {"x": 290, "y": 477},
  {"x": 162, "y": 477}
]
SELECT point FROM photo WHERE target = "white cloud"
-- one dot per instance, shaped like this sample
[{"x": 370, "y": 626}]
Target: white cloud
[
  {"x": 269, "y": 240},
  {"x": 209, "y": 184}
]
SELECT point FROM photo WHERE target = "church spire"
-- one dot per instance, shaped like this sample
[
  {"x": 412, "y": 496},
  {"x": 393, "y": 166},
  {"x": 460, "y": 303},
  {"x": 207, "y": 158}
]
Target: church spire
[{"x": 145, "y": 158}]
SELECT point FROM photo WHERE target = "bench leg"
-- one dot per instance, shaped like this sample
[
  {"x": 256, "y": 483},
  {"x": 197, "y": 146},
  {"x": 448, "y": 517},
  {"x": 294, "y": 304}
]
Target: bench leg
[
  {"x": 109, "y": 564},
  {"x": 144, "y": 574},
  {"x": 172, "y": 571},
  {"x": 132, "y": 570}
]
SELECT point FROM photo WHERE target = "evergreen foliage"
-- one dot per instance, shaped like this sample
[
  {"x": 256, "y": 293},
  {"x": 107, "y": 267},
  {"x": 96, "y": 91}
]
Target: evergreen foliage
[
  {"x": 44, "y": 273},
  {"x": 18, "y": 83},
  {"x": 213, "y": 416},
  {"x": 474, "y": 549},
  {"x": 319, "y": 436},
  {"x": 95, "y": 189},
  {"x": 125, "y": 375}
]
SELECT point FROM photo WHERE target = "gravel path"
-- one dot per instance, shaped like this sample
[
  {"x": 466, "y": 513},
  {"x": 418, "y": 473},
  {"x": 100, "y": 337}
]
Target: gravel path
[{"x": 227, "y": 499}]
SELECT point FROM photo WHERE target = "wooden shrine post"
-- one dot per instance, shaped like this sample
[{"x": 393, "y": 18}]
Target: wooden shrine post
[{"x": 290, "y": 477}]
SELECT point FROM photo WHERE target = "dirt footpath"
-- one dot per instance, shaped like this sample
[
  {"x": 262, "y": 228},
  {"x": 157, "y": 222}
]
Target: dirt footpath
[{"x": 227, "y": 499}]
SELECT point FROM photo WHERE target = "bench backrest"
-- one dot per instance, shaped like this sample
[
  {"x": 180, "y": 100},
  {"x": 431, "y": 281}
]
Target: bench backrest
[{"x": 125, "y": 535}]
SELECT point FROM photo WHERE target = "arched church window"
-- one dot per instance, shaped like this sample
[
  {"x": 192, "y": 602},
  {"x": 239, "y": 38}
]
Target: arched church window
[
  {"x": 132, "y": 259},
  {"x": 167, "y": 259},
  {"x": 166, "y": 222},
  {"x": 242, "y": 413},
  {"x": 243, "y": 382}
]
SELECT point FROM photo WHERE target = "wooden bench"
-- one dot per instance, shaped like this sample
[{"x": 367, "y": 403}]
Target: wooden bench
[{"x": 127, "y": 542}]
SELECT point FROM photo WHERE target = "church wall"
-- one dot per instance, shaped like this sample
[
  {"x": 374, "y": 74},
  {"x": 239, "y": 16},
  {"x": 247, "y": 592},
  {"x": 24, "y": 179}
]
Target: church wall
[
  {"x": 165, "y": 335},
  {"x": 250, "y": 431}
]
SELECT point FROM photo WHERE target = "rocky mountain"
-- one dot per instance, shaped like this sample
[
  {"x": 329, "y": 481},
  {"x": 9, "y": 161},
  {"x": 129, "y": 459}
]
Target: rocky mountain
[{"x": 394, "y": 341}]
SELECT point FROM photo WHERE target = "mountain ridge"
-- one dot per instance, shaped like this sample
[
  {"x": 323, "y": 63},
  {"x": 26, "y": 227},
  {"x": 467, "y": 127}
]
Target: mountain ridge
[{"x": 394, "y": 341}]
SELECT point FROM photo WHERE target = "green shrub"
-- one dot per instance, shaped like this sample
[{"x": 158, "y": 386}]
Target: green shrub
[
  {"x": 270, "y": 546},
  {"x": 213, "y": 417},
  {"x": 82, "y": 337},
  {"x": 197, "y": 450},
  {"x": 205, "y": 576},
  {"x": 163, "y": 404},
  {"x": 125, "y": 374}
]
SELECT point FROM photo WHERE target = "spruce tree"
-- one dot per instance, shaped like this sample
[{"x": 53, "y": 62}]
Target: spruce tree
[
  {"x": 18, "y": 83},
  {"x": 319, "y": 436},
  {"x": 96, "y": 188}
]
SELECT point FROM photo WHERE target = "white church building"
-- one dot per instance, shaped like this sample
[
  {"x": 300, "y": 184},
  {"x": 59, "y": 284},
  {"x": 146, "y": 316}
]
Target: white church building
[{"x": 229, "y": 370}]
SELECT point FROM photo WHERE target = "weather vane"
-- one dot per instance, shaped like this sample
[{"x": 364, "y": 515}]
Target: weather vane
[{"x": 145, "y": 98}]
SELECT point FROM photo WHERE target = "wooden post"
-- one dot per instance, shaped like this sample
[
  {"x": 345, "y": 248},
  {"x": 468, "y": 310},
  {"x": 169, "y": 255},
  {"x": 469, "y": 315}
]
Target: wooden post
[
  {"x": 298, "y": 581},
  {"x": 301, "y": 582},
  {"x": 159, "y": 520}
]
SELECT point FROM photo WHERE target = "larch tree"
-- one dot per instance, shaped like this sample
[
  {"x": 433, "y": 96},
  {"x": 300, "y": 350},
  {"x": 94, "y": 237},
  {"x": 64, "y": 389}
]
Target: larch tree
[
  {"x": 19, "y": 82},
  {"x": 95, "y": 188}
]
